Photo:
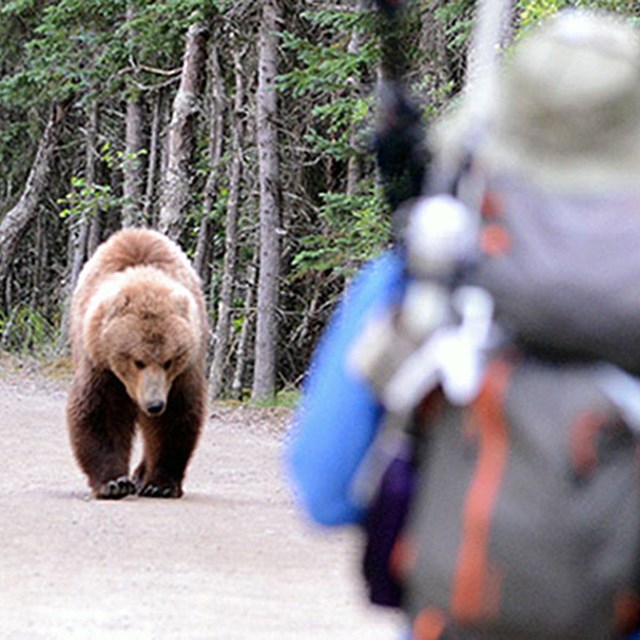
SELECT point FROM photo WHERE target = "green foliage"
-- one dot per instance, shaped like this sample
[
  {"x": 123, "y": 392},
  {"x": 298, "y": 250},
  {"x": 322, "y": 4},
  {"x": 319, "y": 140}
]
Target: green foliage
[
  {"x": 456, "y": 17},
  {"x": 85, "y": 201},
  {"x": 352, "y": 230},
  {"x": 330, "y": 74},
  {"x": 286, "y": 398},
  {"x": 332, "y": 136},
  {"x": 71, "y": 50},
  {"x": 80, "y": 48},
  {"x": 324, "y": 69},
  {"x": 326, "y": 73},
  {"x": 24, "y": 330},
  {"x": 289, "y": 398},
  {"x": 17, "y": 6},
  {"x": 532, "y": 12},
  {"x": 156, "y": 32}
]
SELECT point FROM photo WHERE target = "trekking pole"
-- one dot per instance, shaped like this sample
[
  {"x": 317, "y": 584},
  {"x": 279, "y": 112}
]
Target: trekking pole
[{"x": 491, "y": 31}]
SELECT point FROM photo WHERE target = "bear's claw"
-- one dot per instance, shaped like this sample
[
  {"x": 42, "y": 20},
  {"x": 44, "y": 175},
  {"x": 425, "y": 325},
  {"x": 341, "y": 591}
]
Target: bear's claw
[
  {"x": 151, "y": 490},
  {"x": 115, "y": 489}
]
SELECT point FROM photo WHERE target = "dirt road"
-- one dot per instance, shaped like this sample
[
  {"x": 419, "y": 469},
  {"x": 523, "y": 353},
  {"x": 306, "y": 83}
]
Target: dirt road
[{"x": 231, "y": 560}]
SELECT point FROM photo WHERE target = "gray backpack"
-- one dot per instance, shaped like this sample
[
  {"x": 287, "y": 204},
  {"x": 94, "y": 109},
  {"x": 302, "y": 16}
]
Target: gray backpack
[
  {"x": 526, "y": 520},
  {"x": 525, "y": 523}
]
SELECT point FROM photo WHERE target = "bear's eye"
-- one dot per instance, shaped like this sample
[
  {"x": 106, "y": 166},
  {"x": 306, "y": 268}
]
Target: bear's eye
[
  {"x": 167, "y": 364},
  {"x": 139, "y": 364}
]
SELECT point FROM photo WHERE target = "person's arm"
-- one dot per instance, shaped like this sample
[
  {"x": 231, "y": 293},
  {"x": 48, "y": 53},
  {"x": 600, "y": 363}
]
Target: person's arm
[{"x": 339, "y": 413}]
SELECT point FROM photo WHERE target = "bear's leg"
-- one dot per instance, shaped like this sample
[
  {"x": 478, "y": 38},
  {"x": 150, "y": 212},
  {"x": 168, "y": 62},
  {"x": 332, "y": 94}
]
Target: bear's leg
[
  {"x": 169, "y": 439},
  {"x": 101, "y": 420}
]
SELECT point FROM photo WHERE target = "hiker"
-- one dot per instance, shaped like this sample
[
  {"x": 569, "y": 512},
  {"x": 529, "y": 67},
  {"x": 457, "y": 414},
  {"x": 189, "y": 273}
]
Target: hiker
[{"x": 551, "y": 196}]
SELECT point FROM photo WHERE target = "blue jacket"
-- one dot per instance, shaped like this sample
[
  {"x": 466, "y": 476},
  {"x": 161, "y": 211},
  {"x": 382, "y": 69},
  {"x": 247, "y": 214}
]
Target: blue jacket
[{"x": 339, "y": 413}]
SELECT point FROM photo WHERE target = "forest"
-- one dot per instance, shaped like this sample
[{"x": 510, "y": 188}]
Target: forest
[{"x": 242, "y": 129}]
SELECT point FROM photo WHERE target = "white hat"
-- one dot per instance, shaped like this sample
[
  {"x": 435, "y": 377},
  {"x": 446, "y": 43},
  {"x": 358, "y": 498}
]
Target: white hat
[
  {"x": 566, "y": 113},
  {"x": 567, "y": 110}
]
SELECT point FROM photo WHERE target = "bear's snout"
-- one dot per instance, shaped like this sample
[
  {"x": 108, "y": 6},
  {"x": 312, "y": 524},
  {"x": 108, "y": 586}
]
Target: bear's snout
[
  {"x": 155, "y": 407},
  {"x": 153, "y": 390}
]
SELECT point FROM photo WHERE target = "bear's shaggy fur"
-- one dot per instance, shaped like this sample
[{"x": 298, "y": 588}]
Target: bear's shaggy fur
[{"x": 139, "y": 332}]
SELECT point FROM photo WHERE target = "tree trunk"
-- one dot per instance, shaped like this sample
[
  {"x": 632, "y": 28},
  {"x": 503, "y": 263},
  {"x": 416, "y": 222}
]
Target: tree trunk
[
  {"x": 152, "y": 164},
  {"x": 225, "y": 302},
  {"x": 133, "y": 170},
  {"x": 16, "y": 221},
  {"x": 241, "y": 350},
  {"x": 216, "y": 135},
  {"x": 134, "y": 142},
  {"x": 80, "y": 231},
  {"x": 176, "y": 187},
  {"x": 95, "y": 235},
  {"x": 94, "y": 232},
  {"x": 269, "y": 178},
  {"x": 36, "y": 285},
  {"x": 80, "y": 234}
]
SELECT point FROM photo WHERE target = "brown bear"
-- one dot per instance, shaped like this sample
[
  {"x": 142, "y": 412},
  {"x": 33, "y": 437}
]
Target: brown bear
[{"x": 138, "y": 330}]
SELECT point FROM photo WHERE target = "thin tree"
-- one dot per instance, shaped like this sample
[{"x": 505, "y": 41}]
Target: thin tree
[
  {"x": 243, "y": 338},
  {"x": 81, "y": 231},
  {"x": 133, "y": 174},
  {"x": 216, "y": 137},
  {"x": 269, "y": 177},
  {"x": 176, "y": 186},
  {"x": 152, "y": 163},
  {"x": 79, "y": 235},
  {"x": 229, "y": 273}
]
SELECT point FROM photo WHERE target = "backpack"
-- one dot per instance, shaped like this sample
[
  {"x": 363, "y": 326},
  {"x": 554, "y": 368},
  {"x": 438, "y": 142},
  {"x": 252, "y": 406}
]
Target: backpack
[
  {"x": 526, "y": 518},
  {"x": 522, "y": 516}
]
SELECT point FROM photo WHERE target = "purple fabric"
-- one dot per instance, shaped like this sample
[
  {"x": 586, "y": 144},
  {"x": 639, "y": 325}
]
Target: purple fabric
[{"x": 383, "y": 525}]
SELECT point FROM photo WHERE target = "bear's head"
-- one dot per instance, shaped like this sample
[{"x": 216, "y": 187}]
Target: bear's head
[{"x": 144, "y": 327}]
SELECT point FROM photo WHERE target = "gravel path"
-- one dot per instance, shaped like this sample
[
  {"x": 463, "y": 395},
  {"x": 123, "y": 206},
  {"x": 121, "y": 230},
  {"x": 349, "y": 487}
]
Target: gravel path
[{"x": 231, "y": 560}]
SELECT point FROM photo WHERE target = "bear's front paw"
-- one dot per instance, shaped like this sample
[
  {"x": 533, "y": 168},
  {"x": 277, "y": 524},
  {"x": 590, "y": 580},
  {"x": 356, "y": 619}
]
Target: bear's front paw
[
  {"x": 115, "y": 489},
  {"x": 160, "y": 490}
]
